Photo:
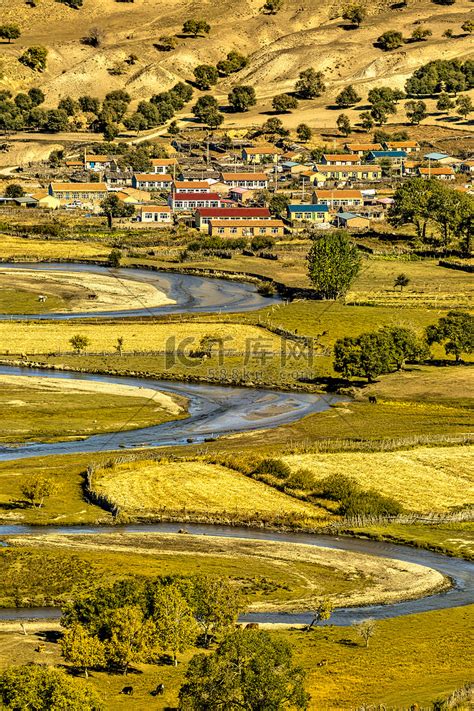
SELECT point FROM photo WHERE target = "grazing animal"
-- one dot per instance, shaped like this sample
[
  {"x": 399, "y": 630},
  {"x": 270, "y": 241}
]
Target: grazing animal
[
  {"x": 127, "y": 690},
  {"x": 251, "y": 626},
  {"x": 40, "y": 648},
  {"x": 322, "y": 663},
  {"x": 159, "y": 691},
  {"x": 372, "y": 399},
  {"x": 42, "y": 298}
]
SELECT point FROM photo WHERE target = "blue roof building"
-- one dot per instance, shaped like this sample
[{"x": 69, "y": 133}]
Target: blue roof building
[
  {"x": 391, "y": 155},
  {"x": 309, "y": 213},
  {"x": 436, "y": 156}
]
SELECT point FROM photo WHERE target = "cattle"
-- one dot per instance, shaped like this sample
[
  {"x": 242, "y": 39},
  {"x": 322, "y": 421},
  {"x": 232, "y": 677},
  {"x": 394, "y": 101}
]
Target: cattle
[
  {"x": 251, "y": 626},
  {"x": 159, "y": 691},
  {"x": 127, "y": 690},
  {"x": 92, "y": 297},
  {"x": 372, "y": 399},
  {"x": 322, "y": 663},
  {"x": 42, "y": 298}
]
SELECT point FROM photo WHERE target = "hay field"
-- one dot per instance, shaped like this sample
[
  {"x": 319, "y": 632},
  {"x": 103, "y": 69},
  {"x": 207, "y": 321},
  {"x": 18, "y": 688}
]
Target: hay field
[
  {"x": 31, "y": 249},
  {"x": 148, "y": 487},
  {"x": 422, "y": 479}
]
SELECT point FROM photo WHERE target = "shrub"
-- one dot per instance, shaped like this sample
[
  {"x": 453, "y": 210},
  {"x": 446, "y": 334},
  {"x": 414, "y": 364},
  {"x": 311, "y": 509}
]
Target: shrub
[
  {"x": 369, "y": 503},
  {"x": 261, "y": 243},
  {"x": 301, "y": 479},
  {"x": 272, "y": 467},
  {"x": 337, "y": 487}
]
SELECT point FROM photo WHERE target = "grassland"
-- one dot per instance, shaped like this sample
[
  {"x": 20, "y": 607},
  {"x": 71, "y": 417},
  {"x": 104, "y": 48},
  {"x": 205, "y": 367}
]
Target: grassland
[
  {"x": 18, "y": 248},
  {"x": 21, "y": 301},
  {"x": 411, "y": 659}
]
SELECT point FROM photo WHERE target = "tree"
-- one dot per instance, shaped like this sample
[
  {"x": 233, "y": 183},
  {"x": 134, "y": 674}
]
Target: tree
[
  {"x": 56, "y": 120},
  {"x": 333, "y": 263},
  {"x": 249, "y": 670},
  {"x": 303, "y": 132},
  {"x": 9, "y": 32},
  {"x": 468, "y": 27},
  {"x": 412, "y": 205},
  {"x": 196, "y": 27},
  {"x": 365, "y": 356},
  {"x": 36, "y": 96},
  {"x": 347, "y": 97},
  {"x": 271, "y": 7},
  {"x": 322, "y": 613},
  {"x": 445, "y": 103},
  {"x": 277, "y": 204},
  {"x": 274, "y": 127},
  {"x": 35, "y": 58},
  {"x": 390, "y": 40},
  {"x": 13, "y": 190},
  {"x": 68, "y": 105},
  {"x": 79, "y": 343},
  {"x": 440, "y": 75},
  {"x": 203, "y": 105},
  {"x": 89, "y": 104},
  {"x": 420, "y": 34},
  {"x": 366, "y": 630},
  {"x": 464, "y": 105},
  {"x": 167, "y": 43},
  {"x": 233, "y": 63},
  {"x": 44, "y": 688},
  {"x": 404, "y": 345},
  {"x": 310, "y": 84},
  {"x": 216, "y": 605},
  {"x": 401, "y": 280},
  {"x": 284, "y": 103},
  {"x": 344, "y": 125},
  {"x": 176, "y": 627},
  {"x": 241, "y": 98},
  {"x": 205, "y": 76},
  {"x": 214, "y": 118},
  {"x": 455, "y": 331},
  {"x": 119, "y": 346},
  {"x": 81, "y": 649},
  {"x": 415, "y": 111},
  {"x": 366, "y": 120},
  {"x": 113, "y": 207},
  {"x": 111, "y": 131},
  {"x": 37, "y": 489},
  {"x": 132, "y": 638},
  {"x": 94, "y": 37},
  {"x": 115, "y": 258},
  {"x": 355, "y": 14}
]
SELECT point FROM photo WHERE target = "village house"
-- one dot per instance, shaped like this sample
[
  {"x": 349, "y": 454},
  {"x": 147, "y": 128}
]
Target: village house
[
  {"x": 307, "y": 213},
  {"x": 191, "y": 186},
  {"x": 410, "y": 168},
  {"x": 340, "y": 159},
  {"x": 152, "y": 181},
  {"x": 261, "y": 154},
  {"x": 78, "y": 192},
  {"x": 74, "y": 165},
  {"x": 132, "y": 196},
  {"x": 192, "y": 201},
  {"x": 395, "y": 157},
  {"x": 246, "y": 228},
  {"x": 156, "y": 213},
  {"x": 117, "y": 179},
  {"x": 344, "y": 173},
  {"x": 46, "y": 201},
  {"x": 338, "y": 198},
  {"x": 441, "y": 173},
  {"x": 255, "y": 181},
  {"x": 292, "y": 168},
  {"x": 467, "y": 167},
  {"x": 241, "y": 195},
  {"x": 203, "y": 216},
  {"x": 362, "y": 148},
  {"x": 313, "y": 177},
  {"x": 99, "y": 163},
  {"x": 165, "y": 166},
  {"x": 407, "y": 146},
  {"x": 350, "y": 220}
]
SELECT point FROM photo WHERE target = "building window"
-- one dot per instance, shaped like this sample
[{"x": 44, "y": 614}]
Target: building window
[
  {"x": 233, "y": 230},
  {"x": 307, "y": 215},
  {"x": 274, "y": 230},
  {"x": 220, "y": 230},
  {"x": 262, "y": 230}
]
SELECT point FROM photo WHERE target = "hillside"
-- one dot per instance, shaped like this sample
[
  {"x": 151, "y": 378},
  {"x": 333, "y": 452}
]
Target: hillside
[{"x": 276, "y": 54}]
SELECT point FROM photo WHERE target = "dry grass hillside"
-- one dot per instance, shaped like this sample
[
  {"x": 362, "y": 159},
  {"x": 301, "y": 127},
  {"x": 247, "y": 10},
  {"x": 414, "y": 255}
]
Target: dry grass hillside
[{"x": 280, "y": 46}]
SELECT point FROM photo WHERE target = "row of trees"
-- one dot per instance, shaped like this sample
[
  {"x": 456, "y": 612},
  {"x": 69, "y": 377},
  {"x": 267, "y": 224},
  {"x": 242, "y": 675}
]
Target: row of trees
[{"x": 441, "y": 75}]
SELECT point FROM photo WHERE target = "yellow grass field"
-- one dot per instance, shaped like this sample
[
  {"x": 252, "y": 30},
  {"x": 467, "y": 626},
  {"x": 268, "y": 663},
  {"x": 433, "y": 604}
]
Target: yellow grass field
[
  {"x": 422, "y": 479},
  {"x": 146, "y": 487},
  {"x": 37, "y": 337},
  {"x": 17, "y": 248}
]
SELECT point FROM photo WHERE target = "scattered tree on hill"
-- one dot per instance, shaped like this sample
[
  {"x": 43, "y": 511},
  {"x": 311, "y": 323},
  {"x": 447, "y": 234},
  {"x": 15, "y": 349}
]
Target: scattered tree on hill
[
  {"x": 13, "y": 190},
  {"x": 68, "y": 105},
  {"x": 445, "y": 103},
  {"x": 390, "y": 40},
  {"x": 366, "y": 630},
  {"x": 455, "y": 331},
  {"x": 196, "y": 27},
  {"x": 35, "y": 58},
  {"x": 344, "y": 125},
  {"x": 9, "y": 32},
  {"x": 271, "y": 7},
  {"x": 205, "y": 76},
  {"x": 404, "y": 345},
  {"x": 111, "y": 131},
  {"x": 333, "y": 263},
  {"x": 366, "y": 120},
  {"x": 217, "y": 605},
  {"x": 79, "y": 343},
  {"x": 241, "y": 98},
  {"x": 468, "y": 27},
  {"x": 81, "y": 649},
  {"x": 94, "y": 37},
  {"x": 322, "y": 613},
  {"x": 355, "y": 14},
  {"x": 43, "y": 688},
  {"x": 249, "y": 670},
  {"x": 347, "y": 97},
  {"x": 56, "y": 121},
  {"x": 415, "y": 111},
  {"x": 89, "y": 104},
  {"x": 214, "y": 119},
  {"x": 284, "y": 103},
  {"x": 449, "y": 34},
  {"x": 36, "y": 96},
  {"x": 441, "y": 75},
  {"x": 401, "y": 281},
  {"x": 132, "y": 638},
  {"x": 384, "y": 102},
  {"x": 203, "y": 106},
  {"x": 113, "y": 207},
  {"x": 176, "y": 628},
  {"x": 37, "y": 489},
  {"x": 303, "y": 132},
  {"x": 310, "y": 84},
  {"x": 166, "y": 43},
  {"x": 234, "y": 62},
  {"x": 273, "y": 128},
  {"x": 420, "y": 34},
  {"x": 464, "y": 105}
]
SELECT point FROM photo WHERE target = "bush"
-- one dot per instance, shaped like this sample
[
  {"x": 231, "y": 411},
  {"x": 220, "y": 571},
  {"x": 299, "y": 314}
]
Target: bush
[
  {"x": 337, "y": 487},
  {"x": 266, "y": 289},
  {"x": 301, "y": 479},
  {"x": 261, "y": 243},
  {"x": 369, "y": 503},
  {"x": 272, "y": 467}
]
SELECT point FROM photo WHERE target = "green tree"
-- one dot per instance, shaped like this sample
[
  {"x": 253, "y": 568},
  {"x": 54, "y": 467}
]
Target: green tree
[
  {"x": 42, "y": 688},
  {"x": 36, "y": 96},
  {"x": 390, "y": 40},
  {"x": 233, "y": 63},
  {"x": 445, "y": 103},
  {"x": 35, "y": 58},
  {"x": 249, "y": 670},
  {"x": 274, "y": 127},
  {"x": 404, "y": 345},
  {"x": 196, "y": 27},
  {"x": 322, "y": 613},
  {"x": 333, "y": 263},
  {"x": 79, "y": 343},
  {"x": 89, "y": 104},
  {"x": 203, "y": 105},
  {"x": 111, "y": 131},
  {"x": 366, "y": 356},
  {"x": 214, "y": 119},
  {"x": 9, "y": 32},
  {"x": 56, "y": 120},
  {"x": 37, "y": 489},
  {"x": 132, "y": 638},
  {"x": 420, "y": 34},
  {"x": 347, "y": 97},
  {"x": 216, "y": 605},
  {"x": 303, "y": 132},
  {"x": 355, "y": 14},
  {"x": 468, "y": 27},
  {"x": 241, "y": 98},
  {"x": 310, "y": 84},
  {"x": 415, "y": 111},
  {"x": 401, "y": 280},
  {"x": 366, "y": 630},
  {"x": 115, "y": 258},
  {"x": 284, "y": 103},
  {"x": 167, "y": 43},
  {"x": 113, "y": 207},
  {"x": 205, "y": 76},
  {"x": 366, "y": 120},
  {"x": 412, "y": 205},
  {"x": 455, "y": 331},
  {"x": 271, "y": 7},
  {"x": 344, "y": 125},
  {"x": 176, "y": 628},
  {"x": 464, "y": 105},
  {"x": 277, "y": 204},
  {"x": 13, "y": 190},
  {"x": 81, "y": 649}
]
